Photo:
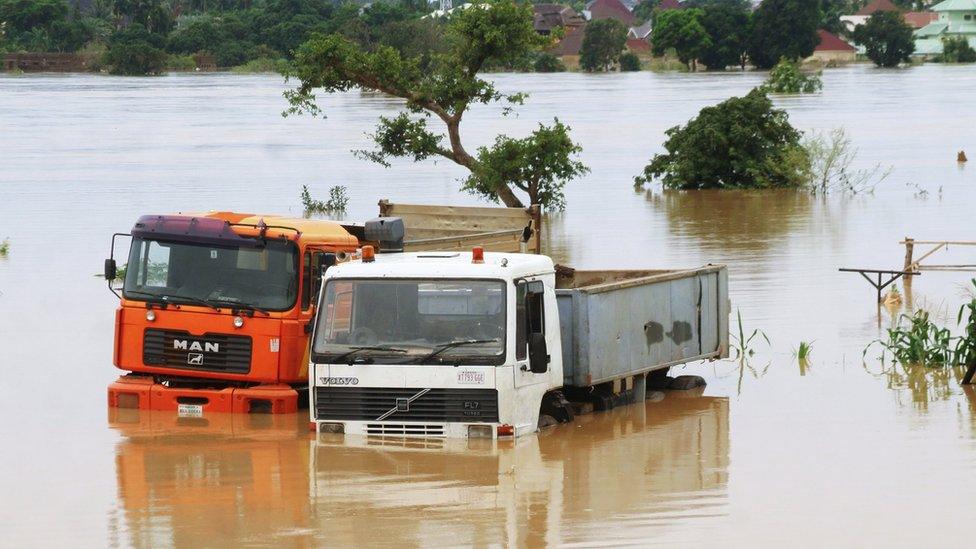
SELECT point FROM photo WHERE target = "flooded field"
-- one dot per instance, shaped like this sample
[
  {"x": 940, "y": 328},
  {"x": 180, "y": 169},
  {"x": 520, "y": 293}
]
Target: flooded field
[{"x": 837, "y": 451}]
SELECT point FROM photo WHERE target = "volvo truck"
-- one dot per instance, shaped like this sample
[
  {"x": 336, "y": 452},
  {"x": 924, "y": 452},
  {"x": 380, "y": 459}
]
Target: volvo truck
[{"x": 488, "y": 345}]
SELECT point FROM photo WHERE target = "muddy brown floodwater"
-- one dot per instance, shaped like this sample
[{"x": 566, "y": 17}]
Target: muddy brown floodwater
[{"x": 838, "y": 451}]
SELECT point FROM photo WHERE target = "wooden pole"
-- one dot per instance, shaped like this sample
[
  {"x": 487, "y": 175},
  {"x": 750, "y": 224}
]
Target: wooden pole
[{"x": 909, "y": 253}]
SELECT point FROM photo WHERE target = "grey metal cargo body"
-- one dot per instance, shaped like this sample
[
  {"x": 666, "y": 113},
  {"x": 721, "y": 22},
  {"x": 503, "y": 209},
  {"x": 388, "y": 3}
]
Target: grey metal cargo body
[{"x": 616, "y": 324}]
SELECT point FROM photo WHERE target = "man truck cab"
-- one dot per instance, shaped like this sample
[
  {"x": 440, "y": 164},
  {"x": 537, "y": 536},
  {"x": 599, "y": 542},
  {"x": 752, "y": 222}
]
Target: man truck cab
[{"x": 215, "y": 310}]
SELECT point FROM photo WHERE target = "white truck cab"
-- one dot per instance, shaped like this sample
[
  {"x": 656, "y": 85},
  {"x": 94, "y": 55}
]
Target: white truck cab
[{"x": 471, "y": 344}]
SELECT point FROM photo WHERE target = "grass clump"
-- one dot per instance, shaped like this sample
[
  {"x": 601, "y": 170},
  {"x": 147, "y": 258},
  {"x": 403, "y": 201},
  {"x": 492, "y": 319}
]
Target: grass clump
[
  {"x": 743, "y": 344},
  {"x": 919, "y": 341},
  {"x": 5, "y": 247},
  {"x": 334, "y": 205}
]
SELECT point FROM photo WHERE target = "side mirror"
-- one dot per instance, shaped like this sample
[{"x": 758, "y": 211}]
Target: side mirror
[
  {"x": 538, "y": 354},
  {"x": 111, "y": 271}
]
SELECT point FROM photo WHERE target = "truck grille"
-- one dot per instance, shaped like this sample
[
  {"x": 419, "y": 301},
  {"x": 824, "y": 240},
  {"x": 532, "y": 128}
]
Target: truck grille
[
  {"x": 210, "y": 352},
  {"x": 399, "y": 405}
]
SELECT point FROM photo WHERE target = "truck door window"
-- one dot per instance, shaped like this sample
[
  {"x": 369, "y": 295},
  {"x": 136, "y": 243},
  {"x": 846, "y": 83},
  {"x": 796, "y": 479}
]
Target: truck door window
[
  {"x": 311, "y": 278},
  {"x": 529, "y": 315}
]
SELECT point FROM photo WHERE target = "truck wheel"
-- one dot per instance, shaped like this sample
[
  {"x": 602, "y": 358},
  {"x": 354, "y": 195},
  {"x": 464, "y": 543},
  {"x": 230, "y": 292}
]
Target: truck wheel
[
  {"x": 547, "y": 421},
  {"x": 556, "y": 406},
  {"x": 686, "y": 383}
]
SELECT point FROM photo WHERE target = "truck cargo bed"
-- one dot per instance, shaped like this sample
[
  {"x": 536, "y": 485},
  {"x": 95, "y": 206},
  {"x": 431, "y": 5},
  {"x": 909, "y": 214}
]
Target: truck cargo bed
[{"x": 616, "y": 324}]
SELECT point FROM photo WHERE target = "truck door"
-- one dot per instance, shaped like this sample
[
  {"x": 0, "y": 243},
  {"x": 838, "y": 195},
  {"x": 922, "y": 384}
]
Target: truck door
[{"x": 531, "y": 354}]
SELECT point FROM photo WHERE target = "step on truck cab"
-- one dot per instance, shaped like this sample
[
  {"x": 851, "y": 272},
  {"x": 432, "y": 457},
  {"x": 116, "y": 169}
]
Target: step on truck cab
[
  {"x": 474, "y": 344},
  {"x": 215, "y": 310}
]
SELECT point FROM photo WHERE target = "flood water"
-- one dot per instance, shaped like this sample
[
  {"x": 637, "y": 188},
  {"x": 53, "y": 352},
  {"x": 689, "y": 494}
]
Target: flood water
[{"x": 837, "y": 451}]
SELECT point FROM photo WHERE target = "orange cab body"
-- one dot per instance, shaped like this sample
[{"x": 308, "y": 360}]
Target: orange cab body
[{"x": 264, "y": 365}]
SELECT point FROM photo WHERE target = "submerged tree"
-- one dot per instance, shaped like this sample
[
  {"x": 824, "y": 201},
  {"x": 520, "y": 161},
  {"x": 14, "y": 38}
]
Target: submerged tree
[
  {"x": 888, "y": 39},
  {"x": 682, "y": 31},
  {"x": 783, "y": 28},
  {"x": 497, "y": 32},
  {"x": 603, "y": 42},
  {"x": 743, "y": 142}
]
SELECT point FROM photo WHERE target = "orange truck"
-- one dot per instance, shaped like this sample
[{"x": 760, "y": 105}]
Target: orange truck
[{"x": 215, "y": 309}]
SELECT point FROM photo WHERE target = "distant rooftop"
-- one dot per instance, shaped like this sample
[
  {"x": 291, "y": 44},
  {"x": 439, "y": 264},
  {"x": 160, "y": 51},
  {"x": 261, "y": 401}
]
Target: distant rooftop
[{"x": 876, "y": 6}]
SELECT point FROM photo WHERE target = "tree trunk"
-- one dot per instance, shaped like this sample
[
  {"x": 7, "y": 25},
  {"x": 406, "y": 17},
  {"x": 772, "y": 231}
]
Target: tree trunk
[{"x": 462, "y": 157}]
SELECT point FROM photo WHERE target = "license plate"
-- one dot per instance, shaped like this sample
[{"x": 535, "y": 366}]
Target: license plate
[{"x": 189, "y": 410}]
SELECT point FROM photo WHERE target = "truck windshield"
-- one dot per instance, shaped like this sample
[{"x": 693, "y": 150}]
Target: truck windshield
[
  {"x": 263, "y": 277},
  {"x": 412, "y": 322}
]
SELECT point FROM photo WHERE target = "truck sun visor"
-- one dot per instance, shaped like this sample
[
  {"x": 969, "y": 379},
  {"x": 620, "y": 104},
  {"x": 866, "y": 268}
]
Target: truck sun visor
[
  {"x": 203, "y": 230},
  {"x": 388, "y": 231}
]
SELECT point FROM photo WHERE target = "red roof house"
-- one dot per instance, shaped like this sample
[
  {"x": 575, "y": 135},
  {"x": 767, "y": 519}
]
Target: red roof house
[
  {"x": 919, "y": 19},
  {"x": 832, "y": 49},
  {"x": 877, "y": 5},
  {"x": 571, "y": 42},
  {"x": 637, "y": 45},
  {"x": 611, "y": 9}
]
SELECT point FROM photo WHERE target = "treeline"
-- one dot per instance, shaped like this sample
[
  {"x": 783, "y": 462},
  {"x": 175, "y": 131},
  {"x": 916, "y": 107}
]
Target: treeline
[{"x": 149, "y": 36}]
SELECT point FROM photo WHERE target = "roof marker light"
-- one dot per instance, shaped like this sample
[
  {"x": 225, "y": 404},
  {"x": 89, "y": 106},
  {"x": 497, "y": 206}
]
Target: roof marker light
[
  {"x": 477, "y": 254},
  {"x": 369, "y": 254}
]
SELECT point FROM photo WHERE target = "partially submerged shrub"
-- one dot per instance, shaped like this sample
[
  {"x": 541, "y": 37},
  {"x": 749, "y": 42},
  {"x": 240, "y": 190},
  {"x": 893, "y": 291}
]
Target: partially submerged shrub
[
  {"x": 787, "y": 77},
  {"x": 832, "y": 156},
  {"x": 263, "y": 65},
  {"x": 5, "y": 247},
  {"x": 957, "y": 50},
  {"x": 134, "y": 51},
  {"x": 335, "y": 204},
  {"x": 547, "y": 62},
  {"x": 629, "y": 62},
  {"x": 182, "y": 63}
]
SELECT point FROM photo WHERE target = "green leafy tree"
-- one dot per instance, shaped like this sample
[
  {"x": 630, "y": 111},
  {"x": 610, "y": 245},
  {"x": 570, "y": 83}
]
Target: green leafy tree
[
  {"x": 644, "y": 10},
  {"x": 742, "y": 142},
  {"x": 783, "y": 28},
  {"x": 887, "y": 38},
  {"x": 727, "y": 26},
  {"x": 134, "y": 51},
  {"x": 603, "y": 42},
  {"x": 499, "y": 32},
  {"x": 683, "y": 31},
  {"x": 957, "y": 50}
]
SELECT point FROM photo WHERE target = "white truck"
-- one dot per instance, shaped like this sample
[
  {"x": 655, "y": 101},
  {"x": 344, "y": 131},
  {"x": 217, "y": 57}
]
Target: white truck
[{"x": 469, "y": 344}]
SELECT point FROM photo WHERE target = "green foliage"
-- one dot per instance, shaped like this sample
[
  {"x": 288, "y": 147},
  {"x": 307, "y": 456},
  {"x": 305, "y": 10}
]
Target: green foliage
[
  {"x": 539, "y": 165},
  {"x": 547, "y": 62},
  {"x": 742, "y": 142},
  {"x": 5, "y": 247},
  {"x": 957, "y": 50},
  {"x": 727, "y": 26},
  {"x": 783, "y": 28},
  {"x": 180, "y": 63},
  {"x": 644, "y": 10},
  {"x": 336, "y": 204},
  {"x": 787, "y": 77},
  {"x": 444, "y": 86},
  {"x": 629, "y": 62},
  {"x": 804, "y": 350},
  {"x": 603, "y": 42},
  {"x": 918, "y": 341},
  {"x": 683, "y": 31},
  {"x": 887, "y": 38},
  {"x": 134, "y": 51}
]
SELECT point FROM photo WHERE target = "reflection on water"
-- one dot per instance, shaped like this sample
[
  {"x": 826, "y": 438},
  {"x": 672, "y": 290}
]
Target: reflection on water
[
  {"x": 734, "y": 221},
  {"x": 263, "y": 479},
  {"x": 919, "y": 386}
]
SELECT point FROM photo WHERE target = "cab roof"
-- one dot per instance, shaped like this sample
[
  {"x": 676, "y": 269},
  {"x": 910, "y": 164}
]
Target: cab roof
[
  {"x": 307, "y": 230},
  {"x": 445, "y": 265}
]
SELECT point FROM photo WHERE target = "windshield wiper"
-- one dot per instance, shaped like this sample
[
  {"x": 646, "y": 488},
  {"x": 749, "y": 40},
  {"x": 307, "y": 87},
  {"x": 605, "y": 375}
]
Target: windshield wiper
[
  {"x": 168, "y": 298},
  {"x": 460, "y": 343},
  {"x": 238, "y": 305},
  {"x": 355, "y": 350}
]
